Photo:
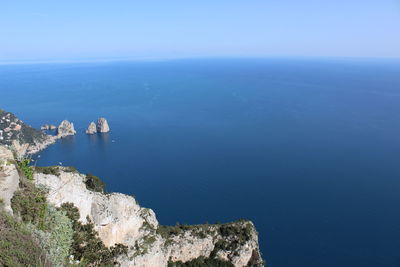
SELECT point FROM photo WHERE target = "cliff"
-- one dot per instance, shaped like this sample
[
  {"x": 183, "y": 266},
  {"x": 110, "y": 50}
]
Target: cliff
[
  {"x": 111, "y": 227},
  {"x": 120, "y": 220}
]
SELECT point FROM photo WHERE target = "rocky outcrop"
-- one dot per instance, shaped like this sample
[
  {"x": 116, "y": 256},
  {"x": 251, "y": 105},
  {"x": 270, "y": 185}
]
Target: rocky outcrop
[
  {"x": 119, "y": 219},
  {"x": 91, "y": 129},
  {"x": 102, "y": 125},
  {"x": 65, "y": 128},
  {"x": 9, "y": 178},
  {"x": 25, "y": 139},
  {"x": 48, "y": 127}
]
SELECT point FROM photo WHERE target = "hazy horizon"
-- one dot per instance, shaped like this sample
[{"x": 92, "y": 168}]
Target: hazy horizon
[
  {"x": 90, "y": 30},
  {"x": 132, "y": 60}
]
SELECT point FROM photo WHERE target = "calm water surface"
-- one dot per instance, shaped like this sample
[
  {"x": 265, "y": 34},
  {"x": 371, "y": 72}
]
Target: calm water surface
[{"x": 309, "y": 150}]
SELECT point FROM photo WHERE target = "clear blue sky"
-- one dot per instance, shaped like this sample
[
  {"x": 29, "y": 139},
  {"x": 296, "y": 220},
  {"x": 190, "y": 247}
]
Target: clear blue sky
[{"x": 65, "y": 30}]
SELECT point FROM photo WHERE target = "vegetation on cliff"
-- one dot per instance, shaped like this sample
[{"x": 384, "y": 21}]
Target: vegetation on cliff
[
  {"x": 41, "y": 235},
  {"x": 201, "y": 262},
  {"x": 55, "y": 170},
  {"x": 94, "y": 183},
  {"x": 57, "y": 237},
  {"x": 25, "y": 168},
  {"x": 86, "y": 245},
  {"x": 30, "y": 204},
  {"x": 17, "y": 245}
]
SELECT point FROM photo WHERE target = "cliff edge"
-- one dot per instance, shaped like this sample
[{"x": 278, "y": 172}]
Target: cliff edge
[
  {"x": 119, "y": 219},
  {"x": 65, "y": 214}
]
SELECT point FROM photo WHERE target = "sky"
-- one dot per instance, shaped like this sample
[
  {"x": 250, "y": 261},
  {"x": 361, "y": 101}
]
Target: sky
[{"x": 49, "y": 30}]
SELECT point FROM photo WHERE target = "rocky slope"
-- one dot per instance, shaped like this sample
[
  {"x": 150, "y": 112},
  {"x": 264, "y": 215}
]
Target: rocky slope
[
  {"x": 9, "y": 178},
  {"x": 24, "y": 138},
  {"x": 119, "y": 219}
]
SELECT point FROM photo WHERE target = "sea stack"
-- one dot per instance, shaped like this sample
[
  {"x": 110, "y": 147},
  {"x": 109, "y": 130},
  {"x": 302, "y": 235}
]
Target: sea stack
[
  {"x": 48, "y": 127},
  {"x": 91, "y": 129},
  {"x": 65, "y": 128},
  {"x": 102, "y": 126}
]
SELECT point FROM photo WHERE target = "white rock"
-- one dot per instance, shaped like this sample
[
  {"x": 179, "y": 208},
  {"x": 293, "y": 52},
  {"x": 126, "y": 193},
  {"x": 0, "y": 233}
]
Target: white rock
[
  {"x": 102, "y": 125},
  {"x": 9, "y": 178},
  {"x": 48, "y": 127},
  {"x": 65, "y": 128},
  {"x": 119, "y": 219},
  {"x": 91, "y": 129}
]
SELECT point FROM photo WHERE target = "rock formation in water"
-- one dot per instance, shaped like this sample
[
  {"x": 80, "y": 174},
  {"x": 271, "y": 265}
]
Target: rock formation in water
[
  {"x": 102, "y": 125},
  {"x": 25, "y": 139},
  {"x": 65, "y": 128},
  {"x": 119, "y": 220},
  {"x": 48, "y": 127},
  {"x": 91, "y": 129}
]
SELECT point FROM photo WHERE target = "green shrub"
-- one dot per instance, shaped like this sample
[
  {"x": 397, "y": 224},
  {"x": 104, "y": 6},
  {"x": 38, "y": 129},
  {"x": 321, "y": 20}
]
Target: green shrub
[
  {"x": 86, "y": 244},
  {"x": 70, "y": 169},
  {"x": 201, "y": 262},
  {"x": 25, "y": 168},
  {"x": 56, "y": 241},
  {"x": 29, "y": 202},
  {"x": 199, "y": 230},
  {"x": 240, "y": 231},
  {"x": 17, "y": 246},
  {"x": 54, "y": 170},
  {"x": 93, "y": 183}
]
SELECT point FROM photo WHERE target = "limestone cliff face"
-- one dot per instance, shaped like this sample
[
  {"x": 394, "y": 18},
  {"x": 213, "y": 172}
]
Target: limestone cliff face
[
  {"x": 9, "y": 178},
  {"x": 65, "y": 128},
  {"x": 119, "y": 219},
  {"x": 102, "y": 125}
]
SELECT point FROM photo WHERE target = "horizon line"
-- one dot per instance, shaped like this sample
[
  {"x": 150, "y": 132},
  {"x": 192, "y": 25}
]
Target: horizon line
[{"x": 150, "y": 59}]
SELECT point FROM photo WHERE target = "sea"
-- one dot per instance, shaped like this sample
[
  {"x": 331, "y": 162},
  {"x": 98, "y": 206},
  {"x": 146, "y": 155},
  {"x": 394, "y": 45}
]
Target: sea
[{"x": 306, "y": 148}]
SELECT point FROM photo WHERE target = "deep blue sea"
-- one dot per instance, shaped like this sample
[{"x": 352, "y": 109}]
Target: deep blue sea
[{"x": 308, "y": 149}]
